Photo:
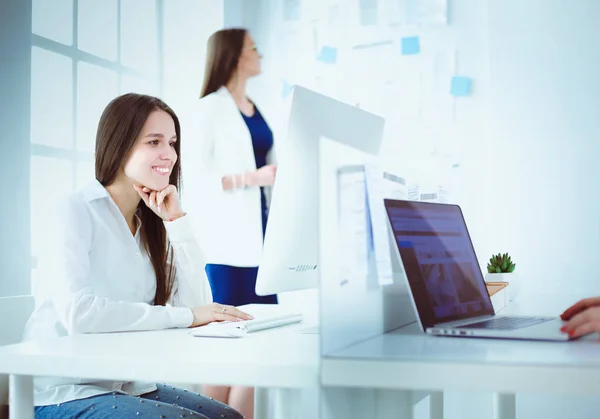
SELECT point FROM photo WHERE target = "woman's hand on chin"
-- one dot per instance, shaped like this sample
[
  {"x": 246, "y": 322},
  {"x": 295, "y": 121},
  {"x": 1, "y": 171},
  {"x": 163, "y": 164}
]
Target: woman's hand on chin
[{"x": 164, "y": 203}]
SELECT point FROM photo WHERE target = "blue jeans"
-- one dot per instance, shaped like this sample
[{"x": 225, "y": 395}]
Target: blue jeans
[{"x": 165, "y": 403}]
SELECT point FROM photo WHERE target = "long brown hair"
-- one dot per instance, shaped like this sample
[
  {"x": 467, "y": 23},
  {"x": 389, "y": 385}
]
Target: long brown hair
[
  {"x": 222, "y": 57},
  {"x": 120, "y": 125}
]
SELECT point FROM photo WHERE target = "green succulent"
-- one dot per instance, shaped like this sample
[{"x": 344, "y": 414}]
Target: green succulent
[{"x": 500, "y": 263}]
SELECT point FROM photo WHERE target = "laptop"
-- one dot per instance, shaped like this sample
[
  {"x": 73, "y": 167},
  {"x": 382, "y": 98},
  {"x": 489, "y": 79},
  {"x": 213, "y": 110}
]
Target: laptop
[{"x": 446, "y": 284}]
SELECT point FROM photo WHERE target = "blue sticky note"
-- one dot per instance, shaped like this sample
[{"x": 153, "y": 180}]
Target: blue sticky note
[
  {"x": 460, "y": 86},
  {"x": 328, "y": 55},
  {"x": 286, "y": 88},
  {"x": 411, "y": 45}
]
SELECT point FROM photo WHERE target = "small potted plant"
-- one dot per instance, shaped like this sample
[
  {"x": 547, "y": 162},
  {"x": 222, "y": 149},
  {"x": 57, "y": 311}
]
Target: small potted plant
[
  {"x": 500, "y": 264},
  {"x": 501, "y": 268}
]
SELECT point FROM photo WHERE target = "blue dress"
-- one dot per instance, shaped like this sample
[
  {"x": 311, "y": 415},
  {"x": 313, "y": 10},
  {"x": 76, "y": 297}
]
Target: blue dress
[{"x": 235, "y": 285}]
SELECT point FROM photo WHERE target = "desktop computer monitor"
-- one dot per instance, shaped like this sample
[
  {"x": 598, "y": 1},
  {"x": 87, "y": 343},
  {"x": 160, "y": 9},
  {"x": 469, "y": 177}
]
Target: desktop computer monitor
[{"x": 290, "y": 250}]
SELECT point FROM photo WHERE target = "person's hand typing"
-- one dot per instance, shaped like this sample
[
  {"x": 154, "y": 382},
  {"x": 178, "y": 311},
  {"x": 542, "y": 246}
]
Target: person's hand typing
[
  {"x": 217, "y": 313},
  {"x": 582, "y": 318}
]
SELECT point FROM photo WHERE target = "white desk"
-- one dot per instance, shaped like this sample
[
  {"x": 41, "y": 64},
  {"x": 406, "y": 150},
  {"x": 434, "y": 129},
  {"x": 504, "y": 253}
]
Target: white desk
[
  {"x": 410, "y": 360},
  {"x": 278, "y": 358}
]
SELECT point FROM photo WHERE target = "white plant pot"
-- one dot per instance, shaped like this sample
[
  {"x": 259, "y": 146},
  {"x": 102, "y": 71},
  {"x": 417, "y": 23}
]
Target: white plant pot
[
  {"x": 503, "y": 277},
  {"x": 514, "y": 281}
]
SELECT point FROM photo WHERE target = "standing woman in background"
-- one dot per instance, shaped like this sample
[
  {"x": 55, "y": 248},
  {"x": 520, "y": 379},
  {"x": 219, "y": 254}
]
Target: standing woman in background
[{"x": 232, "y": 146}]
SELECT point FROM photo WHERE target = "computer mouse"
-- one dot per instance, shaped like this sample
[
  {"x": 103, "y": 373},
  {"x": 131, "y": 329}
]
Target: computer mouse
[
  {"x": 219, "y": 331},
  {"x": 237, "y": 331}
]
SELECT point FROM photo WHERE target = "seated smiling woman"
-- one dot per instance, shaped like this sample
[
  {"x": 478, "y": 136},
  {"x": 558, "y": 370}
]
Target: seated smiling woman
[{"x": 121, "y": 258}]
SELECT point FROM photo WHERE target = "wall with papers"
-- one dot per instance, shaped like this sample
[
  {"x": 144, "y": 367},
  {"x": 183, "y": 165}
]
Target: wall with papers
[
  {"x": 491, "y": 107},
  {"x": 396, "y": 59}
]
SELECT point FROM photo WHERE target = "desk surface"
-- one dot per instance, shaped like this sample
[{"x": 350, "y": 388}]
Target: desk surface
[
  {"x": 409, "y": 359},
  {"x": 408, "y": 346},
  {"x": 279, "y": 357}
]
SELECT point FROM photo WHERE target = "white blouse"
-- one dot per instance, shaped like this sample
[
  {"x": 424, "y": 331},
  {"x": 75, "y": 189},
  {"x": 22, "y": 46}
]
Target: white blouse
[{"x": 97, "y": 277}]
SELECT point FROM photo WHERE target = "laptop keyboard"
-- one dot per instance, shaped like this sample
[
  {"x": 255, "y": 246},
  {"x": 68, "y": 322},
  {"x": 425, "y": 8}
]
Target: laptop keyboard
[{"x": 506, "y": 323}]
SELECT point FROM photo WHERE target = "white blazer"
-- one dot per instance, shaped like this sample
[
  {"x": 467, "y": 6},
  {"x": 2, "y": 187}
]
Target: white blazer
[{"x": 216, "y": 142}]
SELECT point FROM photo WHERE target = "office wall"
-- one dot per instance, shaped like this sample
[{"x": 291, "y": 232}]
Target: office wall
[
  {"x": 187, "y": 26},
  {"x": 543, "y": 103}
]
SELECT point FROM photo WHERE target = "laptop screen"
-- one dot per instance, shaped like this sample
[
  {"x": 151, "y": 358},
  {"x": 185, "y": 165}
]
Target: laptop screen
[{"x": 439, "y": 261}]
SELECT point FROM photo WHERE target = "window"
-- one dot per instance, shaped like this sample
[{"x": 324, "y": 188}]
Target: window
[{"x": 84, "y": 53}]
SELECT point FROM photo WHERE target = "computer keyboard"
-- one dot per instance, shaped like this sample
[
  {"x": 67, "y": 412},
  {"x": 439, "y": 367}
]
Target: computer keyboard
[
  {"x": 506, "y": 323},
  {"x": 269, "y": 322},
  {"x": 241, "y": 328}
]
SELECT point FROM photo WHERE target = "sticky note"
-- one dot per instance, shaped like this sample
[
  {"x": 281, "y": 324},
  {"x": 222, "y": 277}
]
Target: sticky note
[
  {"x": 328, "y": 55},
  {"x": 411, "y": 45},
  {"x": 286, "y": 88},
  {"x": 460, "y": 86}
]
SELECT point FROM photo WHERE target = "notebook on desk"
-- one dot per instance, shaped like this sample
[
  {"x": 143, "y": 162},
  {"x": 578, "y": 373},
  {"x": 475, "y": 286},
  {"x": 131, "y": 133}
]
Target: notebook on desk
[
  {"x": 446, "y": 284},
  {"x": 241, "y": 328}
]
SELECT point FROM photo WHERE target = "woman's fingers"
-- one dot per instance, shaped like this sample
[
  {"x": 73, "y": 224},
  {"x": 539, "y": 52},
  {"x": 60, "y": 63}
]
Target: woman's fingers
[
  {"x": 582, "y": 321},
  {"x": 240, "y": 314},
  {"x": 580, "y": 306},
  {"x": 162, "y": 195},
  {"x": 220, "y": 317},
  {"x": 159, "y": 199},
  {"x": 152, "y": 198},
  {"x": 586, "y": 328},
  {"x": 164, "y": 203},
  {"x": 141, "y": 193},
  {"x": 232, "y": 311}
]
